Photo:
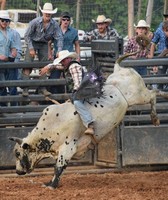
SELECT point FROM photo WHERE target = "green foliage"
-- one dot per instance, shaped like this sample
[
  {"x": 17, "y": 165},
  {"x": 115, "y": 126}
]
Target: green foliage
[
  {"x": 117, "y": 10},
  {"x": 21, "y": 4}
]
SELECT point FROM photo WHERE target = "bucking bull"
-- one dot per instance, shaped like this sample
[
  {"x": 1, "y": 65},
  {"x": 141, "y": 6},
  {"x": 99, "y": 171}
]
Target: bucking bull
[{"x": 59, "y": 131}]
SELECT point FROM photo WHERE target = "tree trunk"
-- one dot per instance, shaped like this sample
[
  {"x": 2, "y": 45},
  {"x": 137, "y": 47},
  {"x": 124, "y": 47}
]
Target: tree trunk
[
  {"x": 130, "y": 18},
  {"x": 38, "y": 10},
  {"x": 165, "y": 6},
  {"x": 78, "y": 13},
  {"x": 139, "y": 10},
  {"x": 149, "y": 12}
]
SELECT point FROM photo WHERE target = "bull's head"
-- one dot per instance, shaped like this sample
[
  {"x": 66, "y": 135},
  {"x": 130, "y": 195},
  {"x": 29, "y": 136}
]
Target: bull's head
[{"x": 26, "y": 156}]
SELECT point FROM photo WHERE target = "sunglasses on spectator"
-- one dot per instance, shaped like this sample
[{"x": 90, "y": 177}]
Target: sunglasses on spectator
[
  {"x": 5, "y": 20},
  {"x": 65, "y": 19}
]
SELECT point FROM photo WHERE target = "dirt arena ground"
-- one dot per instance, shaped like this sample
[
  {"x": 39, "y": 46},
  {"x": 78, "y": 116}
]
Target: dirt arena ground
[{"x": 107, "y": 186}]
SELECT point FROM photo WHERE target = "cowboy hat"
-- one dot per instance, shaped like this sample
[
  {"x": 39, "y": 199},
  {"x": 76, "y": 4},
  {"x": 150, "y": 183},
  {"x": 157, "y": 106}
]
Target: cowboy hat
[
  {"x": 64, "y": 54},
  {"x": 142, "y": 24},
  {"x": 48, "y": 8},
  {"x": 165, "y": 15},
  {"x": 65, "y": 14},
  {"x": 102, "y": 19},
  {"x": 4, "y": 14}
]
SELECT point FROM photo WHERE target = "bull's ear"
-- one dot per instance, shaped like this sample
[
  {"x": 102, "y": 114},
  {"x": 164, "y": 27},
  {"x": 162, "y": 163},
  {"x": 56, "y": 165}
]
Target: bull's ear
[
  {"x": 16, "y": 139},
  {"x": 26, "y": 146}
]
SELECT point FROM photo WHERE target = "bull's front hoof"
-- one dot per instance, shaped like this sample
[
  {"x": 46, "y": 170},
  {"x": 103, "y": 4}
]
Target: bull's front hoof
[
  {"x": 20, "y": 172},
  {"x": 50, "y": 185},
  {"x": 51, "y": 188},
  {"x": 47, "y": 184}
]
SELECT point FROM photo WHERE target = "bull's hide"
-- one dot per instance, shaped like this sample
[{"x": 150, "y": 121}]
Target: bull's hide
[
  {"x": 63, "y": 119},
  {"x": 60, "y": 131}
]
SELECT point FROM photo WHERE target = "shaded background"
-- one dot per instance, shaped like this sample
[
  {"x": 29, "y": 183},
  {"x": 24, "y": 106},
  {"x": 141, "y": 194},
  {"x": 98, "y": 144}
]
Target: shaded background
[{"x": 117, "y": 10}]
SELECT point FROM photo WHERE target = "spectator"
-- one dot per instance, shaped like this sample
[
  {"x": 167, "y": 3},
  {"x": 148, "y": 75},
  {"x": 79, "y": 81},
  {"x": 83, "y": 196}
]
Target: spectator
[
  {"x": 7, "y": 52},
  {"x": 70, "y": 42},
  {"x": 3, "y": 4},
  {"x": 164, "y": 52},
  {"x": 15, "y": 75},
  {"x": 41, "y": 30},
  {"x": 132, "y": 46},
  {"x": 19, "y": 50},
  {"x": 159, "y": 44},
  {"x": 165, "y": 30},
  {"x": 103, "y": 31},
  {"x": 17, "y": 39}
]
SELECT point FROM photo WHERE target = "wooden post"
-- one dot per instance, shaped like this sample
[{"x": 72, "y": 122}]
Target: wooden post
[
  {"x": 78, "y": 13},
  {"x": 149, "y": 12},
  {"x": 139, "y": 10},
  {"x": 130, "y": 18},
  {"x": 165, "y": 6},
  {"x": 38, "y": 10}
]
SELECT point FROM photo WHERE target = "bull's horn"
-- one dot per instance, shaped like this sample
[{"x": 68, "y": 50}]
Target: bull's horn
[{"x": 16, "y": 139}]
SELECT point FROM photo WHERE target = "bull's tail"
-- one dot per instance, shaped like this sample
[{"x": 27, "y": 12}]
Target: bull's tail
[
  {"x": 52, "y": 100},
  {"x": 117, "y": 66},
  {"x": 118, "y": 61}
]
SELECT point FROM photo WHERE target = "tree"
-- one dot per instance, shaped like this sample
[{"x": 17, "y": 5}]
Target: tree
[
  {"x": 117, "y": 10},
  {"x": 139, "y": 10},
  {"x": 130, "y": 18},
  {"x": 166, "y": 6},
  {"x": 149, "y": 12}
]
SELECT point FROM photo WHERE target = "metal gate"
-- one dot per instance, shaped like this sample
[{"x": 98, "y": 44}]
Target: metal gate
[{"x": 134, "y": 142}]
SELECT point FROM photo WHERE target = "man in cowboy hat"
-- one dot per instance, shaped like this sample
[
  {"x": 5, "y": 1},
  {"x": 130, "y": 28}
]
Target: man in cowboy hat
[
  {"x": 103, "y": 31},
  {"x": 66, "y": 59},
  {"x": 7, "y": 52},
  {"x": 142, "y": 28},
  {"x": 41, "y": 30},
  {"x": 70, "y": 43}
]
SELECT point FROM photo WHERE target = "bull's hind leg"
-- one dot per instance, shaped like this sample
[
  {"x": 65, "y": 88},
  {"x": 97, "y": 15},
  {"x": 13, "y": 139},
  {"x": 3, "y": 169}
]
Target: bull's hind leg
[
  {"x": 83, "y": 144},
  {"x": 154, "y": 117}
]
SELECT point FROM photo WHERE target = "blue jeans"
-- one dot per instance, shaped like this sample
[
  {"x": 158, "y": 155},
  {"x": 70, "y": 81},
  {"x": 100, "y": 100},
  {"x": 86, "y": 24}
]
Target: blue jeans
[
  {"x": 41, "y": 50},
  {"x": 8, "y": 74},
  {"x": 163, "y": 70},
  {"x": 141, "y": 70},
  {"x": 56, "y": 74},
  {"x": 84, "y": 113}
]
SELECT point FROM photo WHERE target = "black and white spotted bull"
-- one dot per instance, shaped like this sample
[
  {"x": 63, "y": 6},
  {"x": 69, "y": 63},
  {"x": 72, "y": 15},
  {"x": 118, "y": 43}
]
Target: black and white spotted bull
[{"x": 59, "y": 132}]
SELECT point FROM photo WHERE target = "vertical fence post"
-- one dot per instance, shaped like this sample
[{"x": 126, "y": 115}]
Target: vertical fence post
[
  {"x": 78, "y": 13},
  {"x": 38, "y": 11},
  {"x": 130, "y": 18}
]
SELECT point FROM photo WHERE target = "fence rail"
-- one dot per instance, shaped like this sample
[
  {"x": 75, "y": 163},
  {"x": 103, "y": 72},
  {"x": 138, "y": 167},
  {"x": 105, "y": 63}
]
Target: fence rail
[{"x": 131, "y": 144}]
